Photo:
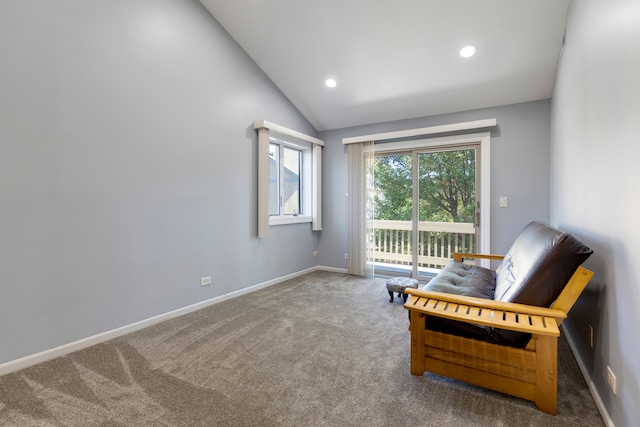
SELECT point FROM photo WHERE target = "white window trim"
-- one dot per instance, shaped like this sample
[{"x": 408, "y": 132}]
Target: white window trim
[
  {"x": 288, "y": 219},
  {"x": 410, "y": 133},
  {"x": 312, "y": 200}
]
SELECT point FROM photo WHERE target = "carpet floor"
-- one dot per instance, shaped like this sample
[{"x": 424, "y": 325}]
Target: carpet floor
[{"x": 325, "y": 349}]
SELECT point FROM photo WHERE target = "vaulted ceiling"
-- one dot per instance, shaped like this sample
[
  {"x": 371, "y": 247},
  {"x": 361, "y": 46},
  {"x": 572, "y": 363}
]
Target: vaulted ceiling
[{"x": 398, "y": 59}]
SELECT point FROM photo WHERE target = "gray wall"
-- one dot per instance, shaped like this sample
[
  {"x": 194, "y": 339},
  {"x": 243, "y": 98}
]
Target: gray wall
[
  {"x": 522, "y": 133},
  {"x": 127, "y": 167},
  {"x": 595, "y": 182}
]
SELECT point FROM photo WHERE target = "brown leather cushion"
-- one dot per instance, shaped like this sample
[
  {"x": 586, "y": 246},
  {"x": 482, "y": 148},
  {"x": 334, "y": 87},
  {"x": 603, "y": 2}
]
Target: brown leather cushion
[{"x": 540, "y": 262}]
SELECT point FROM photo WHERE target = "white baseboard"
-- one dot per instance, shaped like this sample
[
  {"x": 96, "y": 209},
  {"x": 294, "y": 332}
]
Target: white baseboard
[
  {"x": 43, "y": 356},
  {"x": 585, "y": 373},
  {"x": 333, "y": 269}
]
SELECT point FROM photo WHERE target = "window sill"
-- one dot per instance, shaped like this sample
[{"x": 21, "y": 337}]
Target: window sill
[{"x": 282, "y": 220}]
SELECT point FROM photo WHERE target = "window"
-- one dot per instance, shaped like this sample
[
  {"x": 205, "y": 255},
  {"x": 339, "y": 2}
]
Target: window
[
  {"x": 289, "y": 174},
  {"x": 285, "y": 179}
]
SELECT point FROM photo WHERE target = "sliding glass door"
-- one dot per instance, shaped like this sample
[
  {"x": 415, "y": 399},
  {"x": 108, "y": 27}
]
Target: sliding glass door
[
  {"x": 392, "y": 202},
  {"x": 446, "y": 206},
  {"x": 425, "y": 207}
]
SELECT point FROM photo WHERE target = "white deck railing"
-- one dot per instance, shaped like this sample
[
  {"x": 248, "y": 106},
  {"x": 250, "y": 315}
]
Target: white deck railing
[{"x": 437, "y": 241}]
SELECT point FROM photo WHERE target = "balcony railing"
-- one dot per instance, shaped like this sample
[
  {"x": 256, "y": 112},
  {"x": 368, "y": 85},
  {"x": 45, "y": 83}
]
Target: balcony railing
[{"x": 437, "y": 241}]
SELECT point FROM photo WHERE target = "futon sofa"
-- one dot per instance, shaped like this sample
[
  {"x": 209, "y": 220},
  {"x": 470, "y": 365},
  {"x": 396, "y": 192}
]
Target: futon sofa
[
  {"x": 533, "y": 272},
  {"x": 499, "y": 328}
]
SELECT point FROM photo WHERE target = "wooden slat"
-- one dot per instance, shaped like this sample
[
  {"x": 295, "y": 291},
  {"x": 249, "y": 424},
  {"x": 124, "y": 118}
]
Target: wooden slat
[
  {"x": 487, "y": 303},
  {"x": 501, "y": 319},
  {"x": 481, "y": 364},
  {"x": 509, "y": 320},
  {"x": 455, "y": 310},
  {"x": 459, "y": 256},
  {"x": 474, "y": 311},
  {"x": 511, "y": 356},
  {"x": 432, "y": 304},
  {"x": 483, "y": 379},
  {"x": 548, "y": 320},
  {"x": 486, "y": 314}
]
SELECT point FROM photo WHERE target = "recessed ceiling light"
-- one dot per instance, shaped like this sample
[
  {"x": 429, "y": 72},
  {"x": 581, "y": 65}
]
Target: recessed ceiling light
[
  {"x": 330, "y": 82},
  {"x": 467, "y": 51}
]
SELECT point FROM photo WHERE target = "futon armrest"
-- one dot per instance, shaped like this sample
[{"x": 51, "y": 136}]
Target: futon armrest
[
  {"x": 459, "y": 256},
  {"x": 480, "y": 311}
]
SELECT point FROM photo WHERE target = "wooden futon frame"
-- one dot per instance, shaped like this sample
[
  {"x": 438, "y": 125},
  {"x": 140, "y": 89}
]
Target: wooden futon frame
[{"x": 529, "y": 373}]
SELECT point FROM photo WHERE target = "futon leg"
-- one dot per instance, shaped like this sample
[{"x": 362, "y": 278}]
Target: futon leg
[
  {"x": 417, "y": 326},
  {"x": 546, "y": 373}
]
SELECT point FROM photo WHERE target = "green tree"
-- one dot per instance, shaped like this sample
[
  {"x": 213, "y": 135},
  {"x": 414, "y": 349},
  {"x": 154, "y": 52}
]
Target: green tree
[
  {"x": 446, "y": 186},
  {"x": 392, "y": 183}
]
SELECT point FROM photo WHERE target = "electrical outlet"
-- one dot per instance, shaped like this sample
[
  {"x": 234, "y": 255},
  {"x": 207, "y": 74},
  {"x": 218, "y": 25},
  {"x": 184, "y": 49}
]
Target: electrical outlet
[
  {"x": 346, "y": 256},
  {"x": 315, "y": 253},
  {"x": 590, "y": 336},
  {"x": 204, "y": 281},
  {"x": 611, "y": 379}
]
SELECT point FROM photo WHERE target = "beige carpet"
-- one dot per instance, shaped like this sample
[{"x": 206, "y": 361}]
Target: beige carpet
[{"x": 326, "y": 349}]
